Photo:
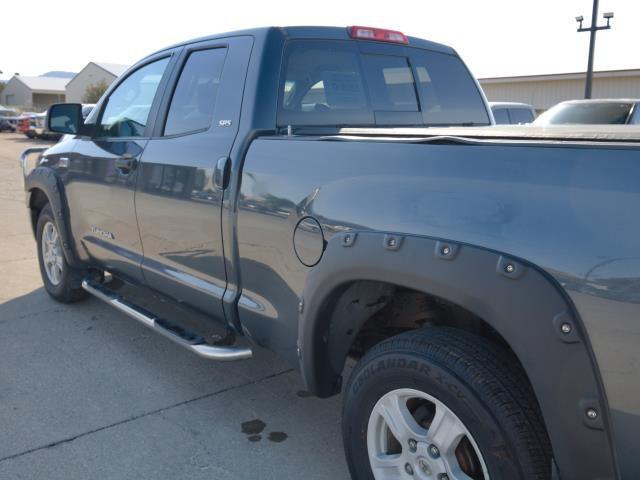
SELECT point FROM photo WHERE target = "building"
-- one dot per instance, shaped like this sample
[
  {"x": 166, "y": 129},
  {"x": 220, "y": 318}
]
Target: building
[
  {"x": 93, "y": 73},
  {"x": 33, "y": 93},
  {"x": 544, "y": 91}
]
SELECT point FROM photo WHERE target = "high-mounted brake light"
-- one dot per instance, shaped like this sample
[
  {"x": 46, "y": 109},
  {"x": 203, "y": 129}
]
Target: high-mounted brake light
[{"x": 378, "y": 34}]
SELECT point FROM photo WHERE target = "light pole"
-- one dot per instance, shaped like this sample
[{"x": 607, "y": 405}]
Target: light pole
[{"x": 592, "y": 41}]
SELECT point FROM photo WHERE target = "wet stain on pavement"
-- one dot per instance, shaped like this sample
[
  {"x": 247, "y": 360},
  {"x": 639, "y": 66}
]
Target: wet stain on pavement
[
  {"x": 277, "y": 437},
  {"x": 253, "y": 427},
  {"x": 304, "y": 394}
]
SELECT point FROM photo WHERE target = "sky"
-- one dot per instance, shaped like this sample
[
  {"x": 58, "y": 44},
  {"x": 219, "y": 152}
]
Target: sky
[{"x": 494, "y": 37}]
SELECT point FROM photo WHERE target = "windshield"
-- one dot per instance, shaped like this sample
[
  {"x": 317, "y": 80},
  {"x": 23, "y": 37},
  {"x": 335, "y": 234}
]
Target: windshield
[
  {"x": 597, "y": 113},
  {"x": 336, "y": 83}
]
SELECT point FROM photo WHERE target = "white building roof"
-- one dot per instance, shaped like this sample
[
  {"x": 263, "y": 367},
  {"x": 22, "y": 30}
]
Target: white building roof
[
  {"x": 633, "y": 72},
  {"x": 116, "y": 69},
  {"x": 43, "y": 84}
]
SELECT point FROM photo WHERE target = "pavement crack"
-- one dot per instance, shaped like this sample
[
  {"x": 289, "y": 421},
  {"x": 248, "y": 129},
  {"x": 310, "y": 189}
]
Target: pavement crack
[{"x": 143, "y": 415}]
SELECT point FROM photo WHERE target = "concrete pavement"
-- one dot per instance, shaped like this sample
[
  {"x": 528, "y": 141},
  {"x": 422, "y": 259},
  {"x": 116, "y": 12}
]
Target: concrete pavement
[{"x": 87, "y": 393}]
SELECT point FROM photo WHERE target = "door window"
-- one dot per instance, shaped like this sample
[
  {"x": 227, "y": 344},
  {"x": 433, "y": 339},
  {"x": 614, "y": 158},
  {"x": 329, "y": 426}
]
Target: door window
[
  {"x": 127, "y": 108},
  {"x": 194, "y": 98}
]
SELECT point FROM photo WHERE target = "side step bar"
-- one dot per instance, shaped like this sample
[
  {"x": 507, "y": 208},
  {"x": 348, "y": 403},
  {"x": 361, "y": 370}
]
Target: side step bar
[{"x": 174, "y": 332}]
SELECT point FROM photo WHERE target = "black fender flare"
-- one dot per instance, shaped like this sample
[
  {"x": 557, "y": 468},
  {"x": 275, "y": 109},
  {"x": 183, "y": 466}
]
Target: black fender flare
[
  {"x": 48, "y": 180},
  {"x": 520, "y": 301}
]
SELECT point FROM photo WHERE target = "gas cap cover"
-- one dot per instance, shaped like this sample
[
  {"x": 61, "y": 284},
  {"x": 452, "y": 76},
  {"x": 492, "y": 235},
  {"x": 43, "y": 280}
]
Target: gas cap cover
[{"x": 308, "y": 241}]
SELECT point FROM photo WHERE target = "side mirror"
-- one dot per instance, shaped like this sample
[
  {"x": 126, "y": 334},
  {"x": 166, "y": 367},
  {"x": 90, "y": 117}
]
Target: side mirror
[{"x": 67, "y": 118}]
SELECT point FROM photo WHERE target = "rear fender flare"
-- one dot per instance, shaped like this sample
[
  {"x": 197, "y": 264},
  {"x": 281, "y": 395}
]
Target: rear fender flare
[{"x": 520, "y": 301}]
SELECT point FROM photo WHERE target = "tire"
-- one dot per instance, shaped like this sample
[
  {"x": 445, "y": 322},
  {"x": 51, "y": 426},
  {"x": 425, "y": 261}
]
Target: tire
[
  {"x": 454, "y": 379},
  {"x": 66, "y": 286}
]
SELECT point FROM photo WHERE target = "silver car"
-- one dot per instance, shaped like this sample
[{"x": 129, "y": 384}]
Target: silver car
[{"x": 592, "y": 112}]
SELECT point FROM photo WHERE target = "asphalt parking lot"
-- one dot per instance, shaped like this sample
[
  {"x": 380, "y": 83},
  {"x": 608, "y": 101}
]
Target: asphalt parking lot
[{"x": 86, "y": 392}]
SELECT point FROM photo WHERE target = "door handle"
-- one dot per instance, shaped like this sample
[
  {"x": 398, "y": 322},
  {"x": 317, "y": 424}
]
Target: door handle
[
  {"x": 126, "y": 163},
  {"x": 222, "y": 173}
]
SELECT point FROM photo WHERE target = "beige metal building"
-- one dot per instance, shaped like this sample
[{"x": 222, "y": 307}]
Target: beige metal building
[
  {"x": 544, "y": 91},
  {"x": 93, "y": 73},
  {"x": 33, "y": 93}
]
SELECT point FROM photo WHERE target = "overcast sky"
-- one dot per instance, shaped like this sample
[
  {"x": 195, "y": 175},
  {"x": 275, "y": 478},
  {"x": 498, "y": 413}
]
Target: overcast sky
[{"x": 495, "y": 37}]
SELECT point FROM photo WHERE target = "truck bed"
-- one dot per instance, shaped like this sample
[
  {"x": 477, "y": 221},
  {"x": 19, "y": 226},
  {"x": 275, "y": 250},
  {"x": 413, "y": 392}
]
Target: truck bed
[{"x": 569, "y": 133}]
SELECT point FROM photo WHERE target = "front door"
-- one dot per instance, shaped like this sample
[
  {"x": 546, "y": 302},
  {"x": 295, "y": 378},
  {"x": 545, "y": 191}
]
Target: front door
[
  {"x": 103, "y": 172},
  {"x": 178, "y": 200}
]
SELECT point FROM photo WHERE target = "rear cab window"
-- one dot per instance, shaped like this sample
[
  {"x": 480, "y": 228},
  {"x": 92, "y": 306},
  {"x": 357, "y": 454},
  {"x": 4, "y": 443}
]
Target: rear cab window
[
  {"x": 521, "y": 115},
  {"x": 337, "y": 83},
  {"x": 635, "y": 120},
  {"x": 501, "y": 116}
]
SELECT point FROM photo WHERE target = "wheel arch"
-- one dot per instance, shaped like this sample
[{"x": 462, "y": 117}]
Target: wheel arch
[
  {"x": 521, "y": 302},
  {"x": 43, "y": 185}
]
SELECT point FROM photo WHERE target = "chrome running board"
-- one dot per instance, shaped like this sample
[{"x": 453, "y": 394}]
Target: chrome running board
[{"x": 172, "y": 331}]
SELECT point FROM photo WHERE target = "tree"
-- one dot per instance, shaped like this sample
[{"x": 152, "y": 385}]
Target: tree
[
  {"x": 1, "y": 86},
  {"x": 94, "y": 91}
]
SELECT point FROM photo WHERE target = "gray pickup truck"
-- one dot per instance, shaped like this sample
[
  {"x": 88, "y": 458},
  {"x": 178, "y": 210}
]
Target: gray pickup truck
[{"x": 332, "y": 194}]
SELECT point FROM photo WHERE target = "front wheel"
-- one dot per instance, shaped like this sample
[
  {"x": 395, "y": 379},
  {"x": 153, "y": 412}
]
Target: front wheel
[
  {"x": 61, "y": 281},
  {"x": 442, "y": 404}
]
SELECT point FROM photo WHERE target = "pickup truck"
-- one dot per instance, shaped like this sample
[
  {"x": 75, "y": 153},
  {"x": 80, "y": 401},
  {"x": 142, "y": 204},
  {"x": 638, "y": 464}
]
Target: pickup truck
[{"x": 339, "y": 196}]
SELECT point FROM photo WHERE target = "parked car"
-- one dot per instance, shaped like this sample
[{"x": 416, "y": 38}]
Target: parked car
[
  {"x": 34, "y": 125},
  {"x": 592, "y": 112},
  {"x": 5, "y": 126},
  {"x": 289, "y": 183},
  {"x": 512, "y": 113},
  {"x": 24, "y": 125}
]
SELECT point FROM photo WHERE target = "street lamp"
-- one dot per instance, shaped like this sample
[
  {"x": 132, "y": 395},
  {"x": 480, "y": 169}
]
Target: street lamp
[{"x": 592, "y": 41}]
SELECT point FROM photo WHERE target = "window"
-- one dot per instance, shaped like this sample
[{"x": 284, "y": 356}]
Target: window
[
  {"x": 636, "y": 115},
  {"x": 521, "y": 115},
  {"x": 593, "y": 113},
  {"x": 194, "y": 98},
  {"x": 448, "y": 92},
  {"x": 332, "y": 83},
  {"x": 323, "y": 85},
  {"x": 501, "y": 116},
  {"x": 390, "y": 83},
  {"x": 127, "y": 108}
]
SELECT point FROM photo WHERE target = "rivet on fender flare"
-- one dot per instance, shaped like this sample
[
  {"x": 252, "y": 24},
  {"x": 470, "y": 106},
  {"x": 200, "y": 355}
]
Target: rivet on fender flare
[
  {"x": 349, "y": 238},
  {"x": 510, "y": 268},
  {"x": 564, "y": 327},
  {"x": 392, "y": 242},
  {"x": 446, "y": 250}
]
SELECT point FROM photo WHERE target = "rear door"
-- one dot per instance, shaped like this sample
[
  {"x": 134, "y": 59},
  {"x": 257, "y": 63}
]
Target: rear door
[
  {"x": 103, "y": 170},
  {"x": 179, "y": 192}
]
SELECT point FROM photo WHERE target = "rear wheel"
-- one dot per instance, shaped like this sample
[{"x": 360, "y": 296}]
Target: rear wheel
[
  {"x": 442, "y": 404},
  {"x": 61, "y": 281}
]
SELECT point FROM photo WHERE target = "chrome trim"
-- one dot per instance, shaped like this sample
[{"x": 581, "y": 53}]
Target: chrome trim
[
  {"x": 210, "y": 352},
  {"x": 24, "y": 156}
]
